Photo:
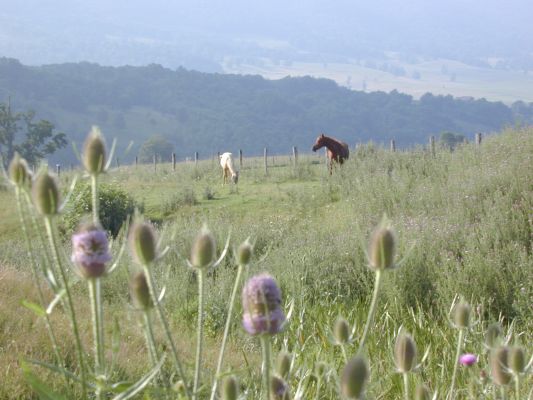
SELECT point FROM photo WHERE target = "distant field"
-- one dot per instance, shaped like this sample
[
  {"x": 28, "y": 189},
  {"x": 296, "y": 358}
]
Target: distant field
[{"x": 435, "y": 76}]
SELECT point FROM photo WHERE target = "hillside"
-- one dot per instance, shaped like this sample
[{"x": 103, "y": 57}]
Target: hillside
[{"x": 213, "y": 112}]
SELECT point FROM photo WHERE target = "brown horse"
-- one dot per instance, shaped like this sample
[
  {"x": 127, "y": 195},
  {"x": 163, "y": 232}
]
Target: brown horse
[{"x": 337, "y": 151}]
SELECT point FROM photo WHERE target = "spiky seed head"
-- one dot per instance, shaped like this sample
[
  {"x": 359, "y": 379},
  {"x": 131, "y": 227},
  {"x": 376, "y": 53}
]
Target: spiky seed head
[
  {"x": 517, "y": 359},
  {"x": 230, "y": 388},
  {"x": 283, "y": 364},
  {"x": 90, "y": 251},
  {"x": 203, "y": 249},
  {"x": 244, "y": 253},
  {"x": 279, "y": 390},
  {"x": 94, "y": 152},
  {"x": 45, "y": 194},
  {"x": 18, "y": 171},
  {"x": 382, "y": 248},
  {"x": 140, "y": 292},
  {"x": 341, "y": 331},
  {"x": 499, "y": 365},
  {"x": 493, "y": 334},
  {"x": 422, "y": 393},
  {"x": 405, "y": 353},
  {"x": 143, "y": 243},
  {"x": 353, "y": 379},
  {"x": 461, "y": 315}
]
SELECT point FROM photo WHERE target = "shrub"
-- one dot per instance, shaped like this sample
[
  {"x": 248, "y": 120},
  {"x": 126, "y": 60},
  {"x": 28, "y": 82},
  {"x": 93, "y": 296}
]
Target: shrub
[{"x": 115, "y": 207}]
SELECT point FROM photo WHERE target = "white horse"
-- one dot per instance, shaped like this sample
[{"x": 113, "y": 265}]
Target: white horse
[{"x": 226, "y": 162}]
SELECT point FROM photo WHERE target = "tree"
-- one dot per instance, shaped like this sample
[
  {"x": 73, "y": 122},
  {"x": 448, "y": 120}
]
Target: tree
[
  {"x": 156, "y": 145},
  {"x": 32, "y": 140},
  {"x": 451, "y": 140}
]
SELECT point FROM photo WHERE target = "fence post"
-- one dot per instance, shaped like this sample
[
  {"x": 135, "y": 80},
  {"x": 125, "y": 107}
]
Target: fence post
[
  {"x": 479, "y": 137},
  {"x": 195, "y": 158},
  {"x": 265, "y": 155},
  {"x": 58, "y": 169},
  {"x": 136, "y": 161},
  {"x": 173, "y": 161},
  {"x": 240, "y": 159},
  {"x": 155, "y": 163},
  {"x": 118, "y": 164},
  {"x": 295, "y": 155},
  {"x": 432, "y": 145},
  {"x": 392, "y": 145}
]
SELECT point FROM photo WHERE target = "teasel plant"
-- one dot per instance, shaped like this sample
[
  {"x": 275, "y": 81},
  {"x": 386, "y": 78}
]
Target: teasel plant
[
  {"x": 342, "y": 335},
  {"x": 461, "y": 320},
  {"x": 243, "y": 258}
]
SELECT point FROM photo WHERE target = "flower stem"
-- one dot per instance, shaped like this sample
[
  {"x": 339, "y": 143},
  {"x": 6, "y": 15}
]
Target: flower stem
[
  {"x": 72, "y": 314},
  {"x": 96, "y": 309},
  {"x": 456, "y": 363},
  {"x": 149, "y": 335},
  {"x": 265, "y": 342},
  {"x": 226, "y": 330},
  {"x": 406, "y": 385},
  {"x": 517, "y": 386},
  {"x": 318, "y": 385},
  {"x": 95, "y": 200},
  {"x": 35, "y": 276},
  {"x": 372, "y": 311},
  {"x": 161, "y": 315},
  {"x": 199, "y": 331}
]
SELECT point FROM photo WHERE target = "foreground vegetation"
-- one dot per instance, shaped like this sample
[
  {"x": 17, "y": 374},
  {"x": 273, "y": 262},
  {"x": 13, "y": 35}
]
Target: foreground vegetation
[{"x": 464, "y": 228}]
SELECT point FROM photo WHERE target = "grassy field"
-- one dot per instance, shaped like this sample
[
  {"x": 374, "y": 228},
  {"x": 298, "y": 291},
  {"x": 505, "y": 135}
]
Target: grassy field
[{"x": 463, "y": 221}]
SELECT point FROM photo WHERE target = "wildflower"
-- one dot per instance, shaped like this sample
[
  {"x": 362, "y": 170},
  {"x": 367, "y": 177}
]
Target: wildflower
[
  {"x": 405, "y": 353},
  {"x": 461, "y": 315},
  {"x": 499, "y": 365},
  {"x": 468, "y": 359},
  {"x": 140, "y": 292},
  {"x": 517, "y": 359},
  {"x": 422, "y": 393},
  {"x": 382, "y": 248},
  {"x": 90, "y": 251},
  {"x": 203, "y": 249},
  {"x": 94, "y": 152},
  {"x": 283, "y": 364},
  {"x": 279, "y": 390},
  {"x": 354, "y": 377},
  {"x": 341, "y": 331},
  {"x": 493, "y": 334},
  {"x": 18, "y": 170},
  {"x": 230, "y": 388},
  {"x": 244, "y": 253},
  {"x": 261, "y": 300},
  {"x": 45, "y": 194},
  {"x": 143, "y": 243}
]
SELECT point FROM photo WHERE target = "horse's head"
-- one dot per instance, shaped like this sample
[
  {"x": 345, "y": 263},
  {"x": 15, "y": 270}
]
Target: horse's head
[
  {"x": 235, "y": 177},
  {"x": 319, "y": 143}
]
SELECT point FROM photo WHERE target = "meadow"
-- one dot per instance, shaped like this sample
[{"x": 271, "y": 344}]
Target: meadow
[{"x": 463, "y": 222}]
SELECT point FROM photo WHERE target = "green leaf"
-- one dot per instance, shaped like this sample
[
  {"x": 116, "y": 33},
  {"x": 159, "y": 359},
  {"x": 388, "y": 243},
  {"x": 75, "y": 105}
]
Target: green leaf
[
  {"x": 36, "y": 308},
  {"x": 38, "y": 386}
]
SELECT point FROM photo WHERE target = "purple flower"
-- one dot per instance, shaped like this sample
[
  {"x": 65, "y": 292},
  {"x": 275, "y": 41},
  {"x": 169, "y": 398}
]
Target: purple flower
[
  {"x": 90, "y": 251},
  {"x": 261, "y": 302},
  {"x": 468, "y": 359}
]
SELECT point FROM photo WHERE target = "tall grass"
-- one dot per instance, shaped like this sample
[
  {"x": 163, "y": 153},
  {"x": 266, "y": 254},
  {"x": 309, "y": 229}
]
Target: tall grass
[{"x": 463, "y": 222}]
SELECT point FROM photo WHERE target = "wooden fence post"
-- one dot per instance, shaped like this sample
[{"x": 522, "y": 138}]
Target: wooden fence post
[
  {"x": 195, "y": 158},
  {"x": 392, "y": 145},
  {"x": 265, "y": 155},
  {"x": 118, "y": 164},
  {"x": 58, "y": 169},
  {"x": 479, "y": 137},
  {"x": 136, "y": 161},
  {"x": 173, "y": 161},
  {"x": 155, "y": 163},
  {"x": 432, "y": 145},
  {"x": 240, "y": 159},
  {"x": 295, "y": 155}
]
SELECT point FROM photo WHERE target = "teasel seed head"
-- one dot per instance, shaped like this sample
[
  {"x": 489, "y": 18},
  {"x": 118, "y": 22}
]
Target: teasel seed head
[
  {"x": 353, "y": 379},
  {"x": 517, "y": 360},
  {"x": 283, "y": 364},
  {"x": 461, "y": 315},
  {"x": 279, "y": 389},
  {"x": 244, "y": 253},
  {"x": 18, "y": 171},
  {"x": 422, "y": 393},
  {"x": 405, "y": 353},
  {"x": 143, "y": 243},
  {"x": 140, "y": 292},
  {"x": 230, "y": 388},
  {"x": 341, "y": 331},
  {"x": 94, "y": 152},
  {"x": 499, "y": 365},
  {"x": 493, "y": 335},
  {"x": 382, "y": 248},
  {"x": 203, "y": 249},
  {"x": 45, "y": 194}
]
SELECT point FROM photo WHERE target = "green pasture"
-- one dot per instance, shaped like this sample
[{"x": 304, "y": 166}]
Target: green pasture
[{"x": 464, "y": 225}]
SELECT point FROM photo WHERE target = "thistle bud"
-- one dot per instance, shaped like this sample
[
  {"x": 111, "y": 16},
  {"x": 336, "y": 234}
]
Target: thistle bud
[
  {"x": 94, "y": 152},
  {"x": 230, "y": 388},
  {"x": 422, "y": 393},
  {"x": 143, "y": 243},
  {"x": 45, "y": 194},
  {"x": 405, "y": 353},
  {"x": 461, "y": 315},
  {"x": 140, "y": 292},
  {"x": 283, "y": 364},
  {"x": 341, "y": 331},
  {"x": 354, "y": 377},
  {"x": 493, "y": 334},
  {"x": 244, "y": 253},
  {"x": 517, "y": 360},
  {"x": 18, "y": 170},
  {"x": 203, "y": 249},
  {"x": 382, "y": 248},
  {"x": 279, "y": 390},
  {"x": 499, "y": 365}
]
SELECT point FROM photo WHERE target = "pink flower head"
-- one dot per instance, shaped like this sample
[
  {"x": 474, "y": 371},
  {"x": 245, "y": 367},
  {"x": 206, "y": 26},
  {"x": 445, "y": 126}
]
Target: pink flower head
[
  {"x": 90, "y": 251},
  {"x": 261, "y": 302},
  {"x": 468, "y": 359}
]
